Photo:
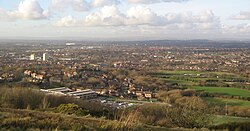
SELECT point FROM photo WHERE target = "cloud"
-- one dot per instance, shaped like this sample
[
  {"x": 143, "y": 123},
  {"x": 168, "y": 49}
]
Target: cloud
[
  {"x": 76, "y": 5},
  {"x": 143, "y": 1},
  {"x": 205, "y": 20},
  {"x": 31, "y": 9},
  {"x": 107, "y": 16},
  {"x": 140, "y": 15},
  {"x": 67, "y": 21},
  {"x": 237, "y": 29},
  {"x": 59, "y": 5},
  {"x": 4, "y": 15},
  {"x": 245, "y": 15},
  {"x": 80, "y": 5},
  {"x": 152, "y": 1},
  {"x": 174, "y": 0},
  {"x": 111, "y": 16},
  {"x": 189, "y": 17},
  {"x": 102, "y": 3},
  {"x": 27, "y": 9}
]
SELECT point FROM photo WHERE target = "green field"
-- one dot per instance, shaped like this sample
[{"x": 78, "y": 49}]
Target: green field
[
  {"x": 182, "y": 72},
  {"x": 187, "y": 78},
  {"x": 180, "y": 82},
  {"x": 227, "y": 119},
  {"x": 223, "y": 90},
  {"x": 179, "y": 72},
  {"x": 224, "y": 101},
  {"x": 172, "y": 73}
]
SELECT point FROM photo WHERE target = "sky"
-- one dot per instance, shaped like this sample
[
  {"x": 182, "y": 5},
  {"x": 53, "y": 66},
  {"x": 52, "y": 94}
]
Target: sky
[{"x": 125, "y": 19}]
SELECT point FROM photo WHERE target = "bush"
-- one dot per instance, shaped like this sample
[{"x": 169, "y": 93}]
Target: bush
[
  {"x": 174, "y": 116},
  {"x": 72, "y": 109},
  {"x": 28, "y": 98},
  {"x": 20, "y": 98}
]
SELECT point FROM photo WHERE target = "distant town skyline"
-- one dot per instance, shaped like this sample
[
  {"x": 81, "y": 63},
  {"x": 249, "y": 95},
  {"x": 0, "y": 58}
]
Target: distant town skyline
[{"x": 125, "y": 19}]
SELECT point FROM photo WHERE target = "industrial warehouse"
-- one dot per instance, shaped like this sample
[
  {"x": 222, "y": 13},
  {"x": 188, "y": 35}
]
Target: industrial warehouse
[{"x": 83, "y": 94}]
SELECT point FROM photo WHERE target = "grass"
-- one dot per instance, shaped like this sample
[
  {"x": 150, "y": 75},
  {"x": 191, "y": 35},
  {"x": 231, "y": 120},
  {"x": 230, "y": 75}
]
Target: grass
[
  {"x": 223, "y": 101},
  {"x": 191, "y": 78},
  {"x": 180, "y": 82},
  {"x": 228, "y": 119},
  {"x": 210, "y": 75},
  {"x": 223, "y": 90},
  {"x": 177, "y": 72},
  {"x": 182, "y": 72},
  {"x": 16, "y": 119}
]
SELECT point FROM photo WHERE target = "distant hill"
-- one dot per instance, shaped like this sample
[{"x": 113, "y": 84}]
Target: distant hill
[{"x": 180, "y": 43}]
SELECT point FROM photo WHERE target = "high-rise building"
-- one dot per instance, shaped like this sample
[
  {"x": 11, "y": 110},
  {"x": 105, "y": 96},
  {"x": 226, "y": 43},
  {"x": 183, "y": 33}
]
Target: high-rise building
[
  {"x": 45, "y": 56},
  {"x": 32, "y": 57}
]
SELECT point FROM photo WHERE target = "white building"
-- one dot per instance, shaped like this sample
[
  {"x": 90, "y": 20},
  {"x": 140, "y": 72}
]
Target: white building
[
  {"x": 32, "y": 57},
  {"x": 70, "y": 44},
  {"x": 45, "y": 56}
]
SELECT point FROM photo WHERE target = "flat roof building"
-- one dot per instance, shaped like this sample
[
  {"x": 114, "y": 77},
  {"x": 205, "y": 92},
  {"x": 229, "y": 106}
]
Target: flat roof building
[
  {"x": 58, "y": 91},
  {"x": 85, "y": 94}
]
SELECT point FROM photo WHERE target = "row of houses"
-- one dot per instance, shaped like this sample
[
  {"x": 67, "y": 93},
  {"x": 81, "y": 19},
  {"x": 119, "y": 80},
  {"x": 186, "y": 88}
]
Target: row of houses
[
  {"x": 34, "y": 75},
  {"x": 80, "y": 94}
]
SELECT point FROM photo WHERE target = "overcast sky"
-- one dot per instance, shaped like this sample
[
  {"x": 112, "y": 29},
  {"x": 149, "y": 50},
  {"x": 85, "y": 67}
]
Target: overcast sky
[{"x": 125, "y": 19}]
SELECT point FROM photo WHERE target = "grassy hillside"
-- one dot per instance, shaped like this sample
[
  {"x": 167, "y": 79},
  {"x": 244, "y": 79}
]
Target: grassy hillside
[{"x": 16, "y": 119}]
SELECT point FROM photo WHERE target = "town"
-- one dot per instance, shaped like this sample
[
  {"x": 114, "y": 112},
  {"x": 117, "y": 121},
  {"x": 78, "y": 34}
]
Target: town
[
  {"x": 123, "y": 75},
  {"x": 114, "y": 69}
]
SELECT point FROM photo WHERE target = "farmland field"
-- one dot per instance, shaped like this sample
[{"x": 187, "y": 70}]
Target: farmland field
[
  {"x": 224, "y": 101},
  {"x": 224, "y": 90},
  {"x": 197, "y": 76}
]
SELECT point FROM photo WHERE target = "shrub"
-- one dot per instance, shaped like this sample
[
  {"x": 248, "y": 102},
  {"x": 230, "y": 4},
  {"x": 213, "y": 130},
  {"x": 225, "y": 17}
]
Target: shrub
[{"x": 72, "y": 109}]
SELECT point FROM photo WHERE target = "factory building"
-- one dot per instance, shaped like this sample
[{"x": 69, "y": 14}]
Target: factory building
[{"x": 83, "y": 94}]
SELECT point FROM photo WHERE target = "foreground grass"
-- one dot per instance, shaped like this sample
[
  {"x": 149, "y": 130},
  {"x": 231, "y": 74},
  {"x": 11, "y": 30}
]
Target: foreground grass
[
  {"x": 27, "y": 119},
  {"x": 15, "y": 119},
  {"x": 229, "y": 91}
]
